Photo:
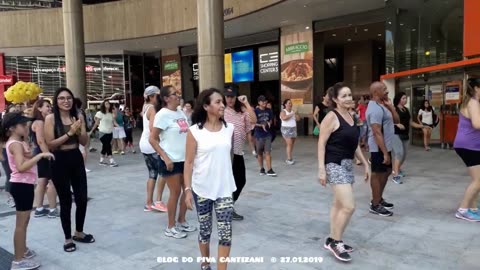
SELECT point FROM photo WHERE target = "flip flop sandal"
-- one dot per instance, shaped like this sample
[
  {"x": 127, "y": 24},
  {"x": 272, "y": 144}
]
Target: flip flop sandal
[
  {"x": 70, "y": 247},
  {"x": 88, "y": 238}
]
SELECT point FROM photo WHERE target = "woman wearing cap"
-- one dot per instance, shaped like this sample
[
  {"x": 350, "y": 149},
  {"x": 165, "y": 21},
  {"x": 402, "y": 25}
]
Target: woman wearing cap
[
  {"x": 289, "y": 119},
  {"x": 168, "y": 137},
  {"x": 64, "y": 131},
  {"x": 239, "y": 113},
  {"x": 152, "y": 159}
]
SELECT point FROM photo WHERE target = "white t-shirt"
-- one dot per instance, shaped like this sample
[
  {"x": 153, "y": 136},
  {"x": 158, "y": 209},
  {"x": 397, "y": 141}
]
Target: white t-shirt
[
  {"x": 173, "y": 137},
  {"x": 427, "y": 117},
  {"x": 212, "y": 175},
  {"x": 106, "y": 122},
  {"x": 292, "y": 122},
  {"x": 144, "y": 144}
]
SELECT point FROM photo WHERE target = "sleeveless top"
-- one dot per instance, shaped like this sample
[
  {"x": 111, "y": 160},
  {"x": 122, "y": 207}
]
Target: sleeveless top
[
  {"x": 290, "y": 122},
  {"x": 119, "y": 119},
  {"x": 28, "y": 177},
  {"x": 144, "y": 144},
  {"x": 342, "y": 142},
  {"x": 32, "y": 138},
  {"x": 467, "y": 136},
  {"x": 212, "y": 175}
]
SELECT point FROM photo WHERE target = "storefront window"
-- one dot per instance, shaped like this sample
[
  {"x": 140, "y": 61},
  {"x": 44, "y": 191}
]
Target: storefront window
[{"x": 423, "y": 33}]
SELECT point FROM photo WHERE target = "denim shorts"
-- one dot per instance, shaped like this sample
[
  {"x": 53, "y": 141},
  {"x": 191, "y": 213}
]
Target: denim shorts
[
  {"x": 154, "y": 165},
  {"x": 177, "y": 168}
]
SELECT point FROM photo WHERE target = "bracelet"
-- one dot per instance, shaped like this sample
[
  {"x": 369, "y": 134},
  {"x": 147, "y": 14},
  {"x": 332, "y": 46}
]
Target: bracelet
[
  {"x": 187, "y": 189},
  {"x": 68, "y": 135}
]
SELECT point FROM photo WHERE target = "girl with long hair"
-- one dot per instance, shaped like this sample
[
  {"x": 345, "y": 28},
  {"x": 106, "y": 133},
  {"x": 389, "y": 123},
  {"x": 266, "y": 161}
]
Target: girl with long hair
[
  {"x": 152, "y": 159},
  {"x": 337, "y": 146},
  {"x": 289, "y": 119},
  {"x": 22, "y": 181},
  {"x": 41, "y": 109},
  {"x": 105, "y": 122},
  {"x": 467, "y": 146},
  {"x": 209, "y": 180},
  {"x": 239, "y": 113},
  {"x": 426, "y": 116},
  {"x": 64, "y": 132},
  {"x": 168, "y": 137},
  {"x": 6, "y": 168}
]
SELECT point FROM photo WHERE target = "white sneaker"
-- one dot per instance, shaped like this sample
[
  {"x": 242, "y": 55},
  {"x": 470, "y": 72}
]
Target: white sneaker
[
  {"x": 175, "y": 233},
  {"x": 185, "y": 227},
  {"x": 290, "y": 162},
  {"x": 25, "y": 264},
  {"x": 87, "y": 170}
]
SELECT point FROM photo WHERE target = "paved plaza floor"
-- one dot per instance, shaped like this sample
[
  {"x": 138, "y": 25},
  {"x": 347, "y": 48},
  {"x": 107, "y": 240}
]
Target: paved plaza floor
[{"x": 286, "y": 216}]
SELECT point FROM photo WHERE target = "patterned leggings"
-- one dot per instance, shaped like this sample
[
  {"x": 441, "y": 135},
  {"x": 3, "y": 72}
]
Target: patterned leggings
[{"x": 223, "y": 210}]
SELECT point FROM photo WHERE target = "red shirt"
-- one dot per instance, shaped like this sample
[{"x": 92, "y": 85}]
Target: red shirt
[{"x": 362, "y": 109}]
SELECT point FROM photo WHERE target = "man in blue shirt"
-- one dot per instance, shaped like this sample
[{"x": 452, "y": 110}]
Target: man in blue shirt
[{"x": 263, "y": 135}]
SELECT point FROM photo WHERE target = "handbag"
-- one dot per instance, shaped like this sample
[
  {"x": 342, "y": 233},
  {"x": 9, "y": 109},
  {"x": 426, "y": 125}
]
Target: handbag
[{"x": 316, "y": 131}]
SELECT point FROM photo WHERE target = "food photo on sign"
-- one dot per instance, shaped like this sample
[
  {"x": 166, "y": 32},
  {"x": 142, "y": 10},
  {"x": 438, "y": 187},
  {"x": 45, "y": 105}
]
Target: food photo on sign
[{"x": 171, "y": 72}]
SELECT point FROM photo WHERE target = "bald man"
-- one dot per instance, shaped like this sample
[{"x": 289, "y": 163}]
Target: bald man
[{"x": 381, "y": 118}]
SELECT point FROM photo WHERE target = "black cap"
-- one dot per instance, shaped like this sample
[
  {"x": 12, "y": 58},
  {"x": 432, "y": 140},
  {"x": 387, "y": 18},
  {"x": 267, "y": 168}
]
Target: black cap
[
  {"x": 12, "y": 119},
  {"x": 230, "y": 92},
  {"x": 261, "y": 98}
]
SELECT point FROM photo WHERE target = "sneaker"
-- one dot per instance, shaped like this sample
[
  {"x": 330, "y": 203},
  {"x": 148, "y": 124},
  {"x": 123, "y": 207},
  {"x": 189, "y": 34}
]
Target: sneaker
[
  {"x": 148, "y": 208},
  {"x": 185, "y": 227},
  {"x": 25, "y": 265},
  {"x": 53, "y": 213},
  {"x": 11, "y": 202},
  {"x": 386, "y": 205},
  {"x": 290, "y": 162},
  {"x": 401, "y": 173},
  {"x": 397, "y": 179},
  {"x": 103, "y": 163},
  {"x": 113, "y": 164},
  {"x": 468, "y": 216},
  {"x": 271, "y": 173},
  {"x": 133, "y": 151},
  {"x": 87, "y": 170},
  {"x": 29, "y": 254},
  {"x": 159, "y": 206},
  {"x": 115, "y": 152},
  {"x": 175, "y": 233},
  {"x": 339, "y": 251},
  {"x": 236, "y": 216},
  {"x": 254, "y": 153},
  {"x": 262, "y": 171},
  {"x": 329, "y": 240},
  {"x": 206, "y": 267},
  {"x": 41, "y": 213},
  {"x": 380, "y": 210},
  {"x": 122, "y": 153}
]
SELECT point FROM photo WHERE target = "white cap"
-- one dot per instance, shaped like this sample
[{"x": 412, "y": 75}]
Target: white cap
[{"x": 151, "y": 90}]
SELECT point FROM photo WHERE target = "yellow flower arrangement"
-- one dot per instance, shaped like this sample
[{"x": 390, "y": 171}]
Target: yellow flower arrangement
[{"x": 22, "y": 92}]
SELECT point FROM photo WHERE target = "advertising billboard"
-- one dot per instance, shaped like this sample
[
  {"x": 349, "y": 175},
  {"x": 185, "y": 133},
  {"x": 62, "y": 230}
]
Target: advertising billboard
[
  {"x": 242, "y": 66},
  {"x": 268, "y": 63}
]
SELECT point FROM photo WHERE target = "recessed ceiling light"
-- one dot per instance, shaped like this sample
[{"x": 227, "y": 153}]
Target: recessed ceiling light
[
  {"x": 438, "y": 40},
  {"x": 379, "y": 35},
  {"x": 334, "y": 35},
  {"x": 389, "y": 22},
  {"x": 305, "y": 6},
  {"x": 307, "y": 27},
  {"x": 366, "y": 29},
  {"x": 349, "y": 39},
  {"x": 402, "y": 24},
  {"x": 413, "y": 30}
]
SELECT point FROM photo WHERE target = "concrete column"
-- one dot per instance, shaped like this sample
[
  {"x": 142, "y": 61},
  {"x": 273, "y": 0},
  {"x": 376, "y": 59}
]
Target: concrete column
[
  {"x": 210, "y": 44},
  {"x": 74, "y": 47}
]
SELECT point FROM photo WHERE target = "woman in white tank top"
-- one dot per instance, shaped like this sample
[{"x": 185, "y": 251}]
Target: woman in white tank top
[
  {"x": 152, "y": 160},
  {"x": 289, "y": 128}
]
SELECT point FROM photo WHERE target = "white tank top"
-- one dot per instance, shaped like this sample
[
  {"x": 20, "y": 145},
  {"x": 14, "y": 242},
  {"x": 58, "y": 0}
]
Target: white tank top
[
  {"x": 292, "y": 122},
  {"x": 145, "y": 146}
]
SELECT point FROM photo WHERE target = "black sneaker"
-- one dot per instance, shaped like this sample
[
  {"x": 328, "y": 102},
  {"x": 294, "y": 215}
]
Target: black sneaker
[
  {"x": 380, "y": 210},
  {"x": 339, "y": 251},
  {"x": 329, "y": 240},
  {"x": 236, "y": 216},
  {"x": 271, "y": 173},
  {"x": 262, "y": 171},
  {"x": 386, "y": 205}
]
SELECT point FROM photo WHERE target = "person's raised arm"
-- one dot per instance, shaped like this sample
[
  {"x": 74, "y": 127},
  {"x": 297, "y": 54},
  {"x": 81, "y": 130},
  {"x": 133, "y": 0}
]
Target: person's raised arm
[
  {"x": 473, "y": 108},
  {"x": 49, "y": 132},
  {"x": 249, "y": 109},
  {"x": 190, "y": 152},
  {"x": 327, "y": 126}
]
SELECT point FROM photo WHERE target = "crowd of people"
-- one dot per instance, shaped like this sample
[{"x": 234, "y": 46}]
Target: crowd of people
[{"x": 197, "y": 150}]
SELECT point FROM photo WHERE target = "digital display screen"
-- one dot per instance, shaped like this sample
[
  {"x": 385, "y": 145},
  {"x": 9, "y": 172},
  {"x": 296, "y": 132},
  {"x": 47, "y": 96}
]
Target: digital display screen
[{"x": 242, "y": 66}]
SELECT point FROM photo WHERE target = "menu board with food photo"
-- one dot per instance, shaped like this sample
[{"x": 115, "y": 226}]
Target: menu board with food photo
[
  {"x": 171, "y": 72},
  {"x": 297, "y": 66}
]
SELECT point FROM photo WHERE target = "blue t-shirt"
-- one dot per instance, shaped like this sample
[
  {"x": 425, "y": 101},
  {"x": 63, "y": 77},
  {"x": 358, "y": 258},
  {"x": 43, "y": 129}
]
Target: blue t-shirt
[
  {"x": 263, "y": 116},
  {"x": 378, "y": 114}
]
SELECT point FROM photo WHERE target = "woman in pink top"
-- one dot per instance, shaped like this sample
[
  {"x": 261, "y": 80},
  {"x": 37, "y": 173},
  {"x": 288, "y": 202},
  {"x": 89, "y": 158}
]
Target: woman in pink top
[{"x": 23, "y": 176}]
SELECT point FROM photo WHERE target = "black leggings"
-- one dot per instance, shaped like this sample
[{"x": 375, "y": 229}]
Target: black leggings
[
  {"x": 129, "y": 136},
  {"x": 238, "y": 167},
  {"x": 106, "y": 140},
  {"x": 69, "y": 170}
]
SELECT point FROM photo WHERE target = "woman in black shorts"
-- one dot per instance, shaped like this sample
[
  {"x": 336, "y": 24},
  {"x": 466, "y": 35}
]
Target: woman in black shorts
[
  {"x": 467, "y": 146},
  {"x": 41, "y": 109},
  {"x": 337, "y": 146}
]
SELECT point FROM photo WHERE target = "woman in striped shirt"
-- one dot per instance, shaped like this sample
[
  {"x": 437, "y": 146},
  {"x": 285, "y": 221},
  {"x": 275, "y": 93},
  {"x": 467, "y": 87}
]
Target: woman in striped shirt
[{"x": 239, "y": 113}]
